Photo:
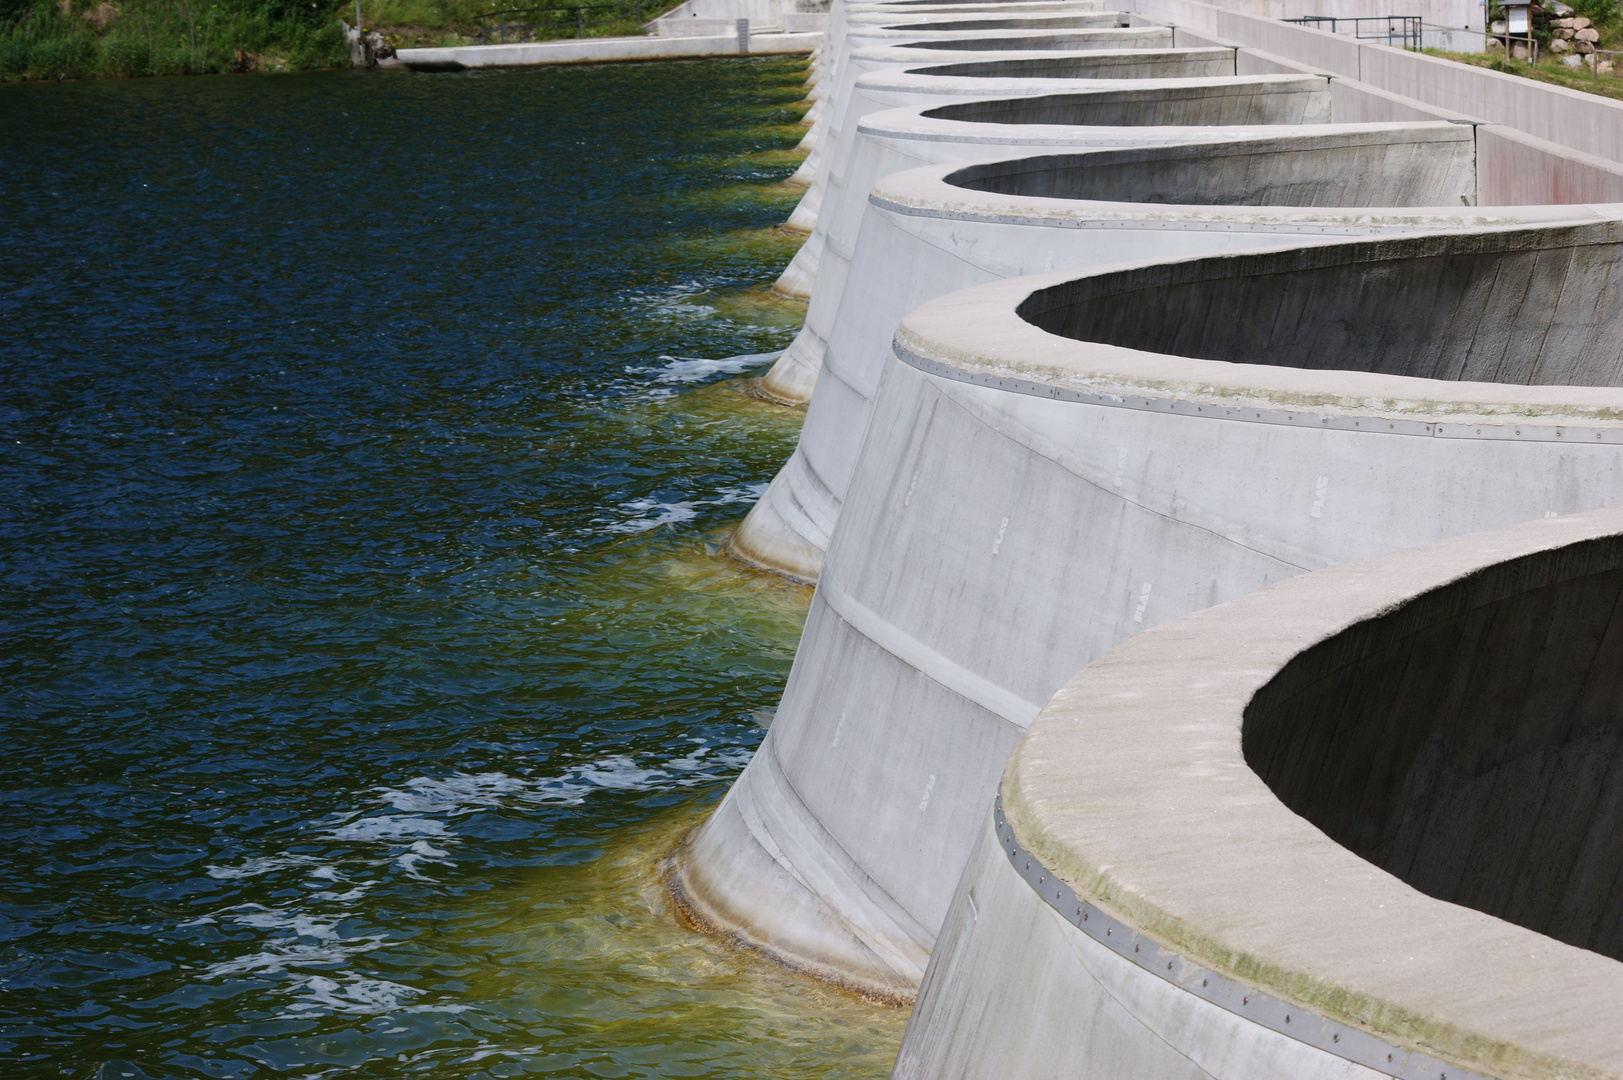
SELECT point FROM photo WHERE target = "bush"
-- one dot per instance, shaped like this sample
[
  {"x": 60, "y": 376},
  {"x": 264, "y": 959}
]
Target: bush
[
  {"x": 73, "y": 55},
  {"x": 1603, "y": 13}
]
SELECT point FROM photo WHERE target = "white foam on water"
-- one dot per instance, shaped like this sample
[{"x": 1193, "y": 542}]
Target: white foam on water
[
  {"x": 421, "y": 852},
  {"x": 692, "y": 369},
  {"x": 459, "y": 794},
  {"x": 663, "y": 514},
  {"x": 264, "y": 865},
  {"x": 343, "y": 897},
  {"x": 676, "y": 512},
  {"x": 308, "y": 941},
  {"x": 465, "y": 793},
  {"x": 389, "y": 827},
  {"x": 742, "y": 493}
]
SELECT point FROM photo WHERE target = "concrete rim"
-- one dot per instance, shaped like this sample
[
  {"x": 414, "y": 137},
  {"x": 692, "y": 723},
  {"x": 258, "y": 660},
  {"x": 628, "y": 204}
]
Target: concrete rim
[
  {"x": 978, "y": 334},
  {"x": 1131, "y": 787},
  {"x": 936, "y": 190}
]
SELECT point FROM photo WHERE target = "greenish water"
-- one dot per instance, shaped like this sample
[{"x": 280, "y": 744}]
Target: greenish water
[{"x": 362, "y": 459}]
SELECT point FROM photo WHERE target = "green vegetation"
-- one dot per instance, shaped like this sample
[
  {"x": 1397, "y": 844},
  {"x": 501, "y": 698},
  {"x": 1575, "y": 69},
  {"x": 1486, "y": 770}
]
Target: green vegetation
[
  {"x": 49, "y": 39},
  {"x": 1549, "y": 69},
  {"x": 46, "y": 39},
  {"x": 1605, "y": 15},
  {"x": 1605, "y": 79}
]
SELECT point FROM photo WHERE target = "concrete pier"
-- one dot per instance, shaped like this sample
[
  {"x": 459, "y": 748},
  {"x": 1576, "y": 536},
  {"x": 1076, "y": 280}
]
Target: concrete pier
[
  {"x": 600, "y": 51},
  {"x": 1354, "y": 825},
  {"x": 928, "y": 231},
  {"x": 1070, "y": 493},
  {"x": 1102, "y": 333}
]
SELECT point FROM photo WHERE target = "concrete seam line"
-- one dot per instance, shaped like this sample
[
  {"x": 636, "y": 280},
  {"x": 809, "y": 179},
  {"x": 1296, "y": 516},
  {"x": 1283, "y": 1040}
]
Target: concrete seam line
[
  {"x": 1026, "y": 441},
  {"x": 831, "y": 364},
  {"x": 1213, "y": 224},
  {"x": 1265, "y": 1010},
  {"x": 1529, "y": 431},
  {"x": 908, "y": 649}
]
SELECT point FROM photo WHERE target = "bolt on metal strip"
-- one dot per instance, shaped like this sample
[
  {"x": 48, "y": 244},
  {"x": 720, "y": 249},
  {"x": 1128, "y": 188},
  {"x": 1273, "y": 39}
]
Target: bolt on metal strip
[
  {"x": 1525, "y": 431},
  {"x": 1331, "y": 1036}
]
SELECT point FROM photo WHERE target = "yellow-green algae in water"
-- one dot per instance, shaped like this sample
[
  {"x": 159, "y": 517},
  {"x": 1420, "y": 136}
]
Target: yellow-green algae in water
[
  {"x": 617, "y": 964},
  {"x": 370, "y": 442}
]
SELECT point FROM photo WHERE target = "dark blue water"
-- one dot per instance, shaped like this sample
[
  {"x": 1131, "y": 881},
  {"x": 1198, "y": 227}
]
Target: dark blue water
[{"x": 365, "y": 644}]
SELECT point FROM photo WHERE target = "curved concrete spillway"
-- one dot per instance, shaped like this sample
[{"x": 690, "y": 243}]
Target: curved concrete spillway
[
  {"x": 926, "y": 232},
  {"x": 1025, "y": 501},
  {"x": 1147, "y": 57},
  {"x": 1153, "y": 897},
  {"x": 917, "y": 49},
  {"x": 1148, "y": 109}
]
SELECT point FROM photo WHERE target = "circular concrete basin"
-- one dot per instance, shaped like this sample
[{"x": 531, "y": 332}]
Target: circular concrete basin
[
  {"x": 926, "y": 232},
  {"x": 1037, "y": 485},
  {"x": 1357, "y": 824}
]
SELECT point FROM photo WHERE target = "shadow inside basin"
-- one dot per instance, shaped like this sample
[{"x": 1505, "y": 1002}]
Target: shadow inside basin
[
  {"x": 1470, "y": 742},
  {"x": 1426, "y": 166},
  {"x": 1070, "y": 41},
  {"x": 1097, "y": 21},
  {"x": 1303, "y": 101},
  {"x": 1530, "y": 306}
]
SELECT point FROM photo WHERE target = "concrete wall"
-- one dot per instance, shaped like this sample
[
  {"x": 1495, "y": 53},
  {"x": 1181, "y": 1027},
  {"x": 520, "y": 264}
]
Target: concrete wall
[
  {"x": 1023, "y": 502},
  {"x": 1440, "y": 314},
  {"x": 849, "y": 62},
  {"x": 925, "y": 233},
  {"x": 851, "y": 100},
  {"x": 1471, "y": 749},
  {"x": 599, "y": 51},
  {"x": 1002, "y": 503},
  {"x": 1142, "y": 904},
  {"x": 1583, "y": 122}
]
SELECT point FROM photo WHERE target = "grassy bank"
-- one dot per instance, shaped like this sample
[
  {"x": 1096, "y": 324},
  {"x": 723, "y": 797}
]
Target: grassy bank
[
  {"x": 1605, "y": 17},
  {"x": 1548, "y": 69},
  {"x": 78, "y": 39}
]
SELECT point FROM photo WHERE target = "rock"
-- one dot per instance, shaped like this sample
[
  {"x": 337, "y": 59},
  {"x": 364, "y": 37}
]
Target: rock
[
  {"x": 1572, "y": 61},
  {"x": 1497, "y": 28},
  {"x": 1565, "y": 35},
  {"x": 1493, "y": 44},
  {"x": 1584, "y": 47},
  {"x": 1559, "y": 46},
  {"x": 1578, "y": 22},
  {"x": 1604, "y": 67},
  {"x": 1588, "y": 33},
  {"x": 1519, "y": 52}
]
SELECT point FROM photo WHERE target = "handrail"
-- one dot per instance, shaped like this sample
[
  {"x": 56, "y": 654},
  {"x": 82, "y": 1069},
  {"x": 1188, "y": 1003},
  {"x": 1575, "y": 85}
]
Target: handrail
[{"x": 1404, "y": 27}]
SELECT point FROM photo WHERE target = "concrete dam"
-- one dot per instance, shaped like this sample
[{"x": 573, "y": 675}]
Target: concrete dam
[{"x": 1209, "y": 444}]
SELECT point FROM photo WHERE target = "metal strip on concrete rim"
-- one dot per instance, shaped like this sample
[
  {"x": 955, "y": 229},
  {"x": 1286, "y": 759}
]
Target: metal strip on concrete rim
[
  {"x": 1320, "y": 1032},
  {"x": 1518, "y": 431}
]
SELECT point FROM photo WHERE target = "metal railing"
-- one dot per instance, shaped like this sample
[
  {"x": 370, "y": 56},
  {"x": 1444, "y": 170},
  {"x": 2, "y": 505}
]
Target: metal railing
[
  {"x": 1593, "y": 61},
  {"x": 517, "y": 26},
  {"x": 1389, "y": 29}
]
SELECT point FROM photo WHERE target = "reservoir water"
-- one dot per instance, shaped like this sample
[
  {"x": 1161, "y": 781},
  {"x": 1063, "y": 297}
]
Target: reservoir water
[{"x": 362, "y": 463}]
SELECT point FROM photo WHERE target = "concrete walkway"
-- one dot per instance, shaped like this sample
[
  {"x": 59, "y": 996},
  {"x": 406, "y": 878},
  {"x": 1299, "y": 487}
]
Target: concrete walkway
[{"x": 601, "y": 51}]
